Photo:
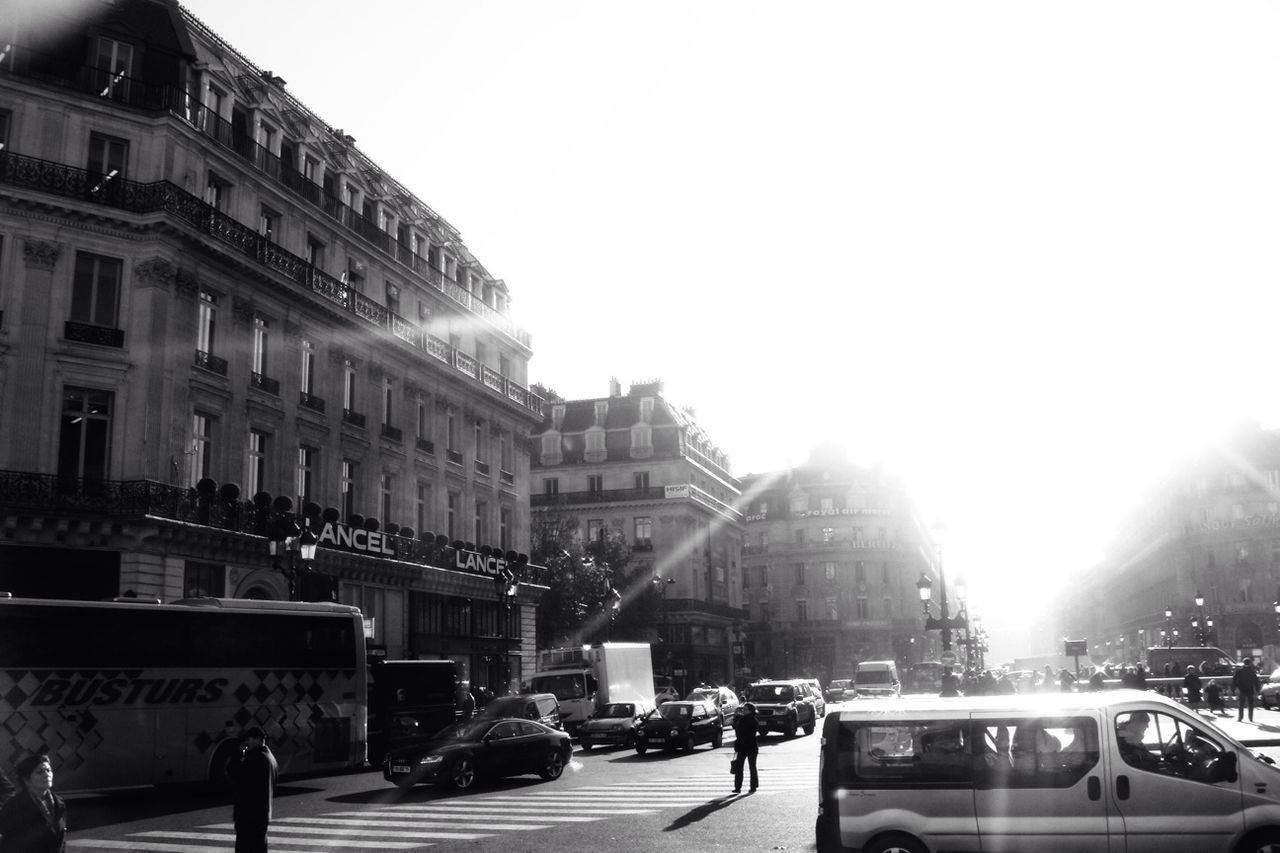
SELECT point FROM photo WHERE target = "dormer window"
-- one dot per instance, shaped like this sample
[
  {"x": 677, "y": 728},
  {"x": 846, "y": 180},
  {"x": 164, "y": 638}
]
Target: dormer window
[
  {"x": 602, "y": 409},
  {"x": 646, "y": 409},
  {"x": 557, "y": 416}
]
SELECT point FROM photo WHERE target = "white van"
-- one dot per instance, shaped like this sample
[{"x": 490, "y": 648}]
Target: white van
[
  {"x": 1052, "y": 772},
  {"x": 877, "y": 678}
]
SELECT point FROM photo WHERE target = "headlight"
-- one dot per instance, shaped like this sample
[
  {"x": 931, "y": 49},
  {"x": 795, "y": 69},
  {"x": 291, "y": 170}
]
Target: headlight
[
  {"x": 675, "y": 732},
  {"x": 431, "y": 759}
]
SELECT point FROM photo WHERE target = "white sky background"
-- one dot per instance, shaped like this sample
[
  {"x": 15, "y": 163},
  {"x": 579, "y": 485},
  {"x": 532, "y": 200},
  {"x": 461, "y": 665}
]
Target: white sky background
[{"x": 1020, "y": 252}]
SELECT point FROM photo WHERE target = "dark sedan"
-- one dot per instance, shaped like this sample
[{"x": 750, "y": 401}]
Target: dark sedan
[
  {"x": 681, "y": 725},
  {"x": 460, "y": 754}
]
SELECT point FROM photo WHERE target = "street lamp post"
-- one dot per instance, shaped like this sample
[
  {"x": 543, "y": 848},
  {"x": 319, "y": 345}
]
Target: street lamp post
[
  {"x": 1200, "y": 636},
  {"x": 1168, "y": 626},
  {"x": 944, "y": 624},
  {"x": 662, "y": 583}
]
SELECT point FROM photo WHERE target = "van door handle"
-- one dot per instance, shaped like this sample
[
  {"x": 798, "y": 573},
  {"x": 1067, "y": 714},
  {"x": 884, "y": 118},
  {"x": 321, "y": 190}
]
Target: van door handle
[
  {"x": 1122, "y": 787},
  {"x": 1095, "y": 788}
]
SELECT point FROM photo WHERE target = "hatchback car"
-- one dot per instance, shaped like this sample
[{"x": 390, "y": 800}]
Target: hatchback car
[
  {"x": 725, "y": 700},
  {"x": 815, "y": 696},
  {"x": 1269, "y": 696},
  {"x": 542, "y": 707},
  {"x": 836, "y": 689},
  {"x": 614, "y": 724},
  {"x": 460, "y": 754},
  {"x": 681, "y": 725}
]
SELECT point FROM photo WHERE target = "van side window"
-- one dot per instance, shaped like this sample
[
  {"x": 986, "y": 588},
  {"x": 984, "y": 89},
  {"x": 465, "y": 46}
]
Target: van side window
[
  {"x": 1161, "y": 743},
  {"x": 934, "y": 753},
  {"x": 1036, "y": 752}
]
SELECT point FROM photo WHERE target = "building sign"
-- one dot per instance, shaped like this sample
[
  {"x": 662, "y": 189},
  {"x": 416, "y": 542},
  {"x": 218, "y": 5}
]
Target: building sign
[
  {"x": 676, "y": 491},
  {"x": 810, "y": 513},
  {"x": 476, "y": 563},
  {"x": 1225, "y": 524},
  {"x": 347, "y": 538}
]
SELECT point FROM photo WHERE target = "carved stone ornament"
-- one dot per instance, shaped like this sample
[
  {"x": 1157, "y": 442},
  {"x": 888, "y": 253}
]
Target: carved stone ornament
[
  {"x": 242, "y": 309},
  {"x": 155, "y": 270},
  {"x": 39, "y": 255}
]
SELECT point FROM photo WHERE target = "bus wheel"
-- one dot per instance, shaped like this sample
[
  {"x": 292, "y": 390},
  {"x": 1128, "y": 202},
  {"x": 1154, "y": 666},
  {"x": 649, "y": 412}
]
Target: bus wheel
[
  {"x": 463, "y": 774},
  {"x": 220, "y": 765}
]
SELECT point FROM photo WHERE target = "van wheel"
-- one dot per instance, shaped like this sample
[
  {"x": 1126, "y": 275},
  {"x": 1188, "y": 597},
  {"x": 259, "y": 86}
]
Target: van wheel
[
  {"x": 1266, "y": 841},
  {"x": 895, "y": 844}
]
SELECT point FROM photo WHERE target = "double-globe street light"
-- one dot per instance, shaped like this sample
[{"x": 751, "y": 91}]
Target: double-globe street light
[{"x": 944, "y": 624}]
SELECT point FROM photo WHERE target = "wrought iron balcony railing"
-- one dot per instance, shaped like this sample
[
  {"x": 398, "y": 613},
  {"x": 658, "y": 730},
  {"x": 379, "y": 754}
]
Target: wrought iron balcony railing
[
  {"x": 353, "y": 417},
  {"x": 311, "y": 401},
  {"x": 454, "y": 456},
  {"x": 265, "y": 383},
  {"x": 211, "y": 362},
  {"x": 20, "y": 61},
  {"x": 425, "y": 445},
  {"x": 87, "y": 333},
  {"x": 653, "y": 493},
  {"x": 164, "y": 197},
  {"x": 393, "y": 433}
]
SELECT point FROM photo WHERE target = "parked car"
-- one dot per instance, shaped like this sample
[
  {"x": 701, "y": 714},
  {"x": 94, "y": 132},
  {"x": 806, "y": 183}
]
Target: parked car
[
  {"x": 725, "y": 700},
  {"x": 680, "y": 724},
  {"x": 614, "y": 724},
  {"x": 815, "y": 696},
  {"x": 542, "y": 707},
  {"x": 782, "y": 706},
  {"x": 1270, "y": 693},
  {"x": 835, "y": 691},
  {"x": 460, "y": 754}
]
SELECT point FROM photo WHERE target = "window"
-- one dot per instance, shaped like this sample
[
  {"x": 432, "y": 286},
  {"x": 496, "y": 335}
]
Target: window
[
  {"x": 595, "y": 441},
  {"x": 95, "y": 290},
  {"x": 451, "y": 516},
  {"x": 348, "y": 386},
  {"x": 355, "y": 274},
  {"x": 746, "y": 577},
  {"x": 393, "y": 298},
  {"x": 482, "y": 521},
  {"x": 481, "y": 453},
  {"x": 595, "y": 483},
  {"x": 504, "y": 528},
  {"x": 1035, "y": 752},
  {"x": 833, "y": 608},
  {"x": 595, "y": 530},
  {"x": 306, "y": 467},
  {"x": 386, "y": 486},
  {"x": 84, "y": 440},
  {"x": 347, "y": 485},
  {"x": 114, "y": 63},
  {"x": 203, "y": 579},
  {"x": 600, "y": 411},
  {"x": 6, "y": 120},
  {"x": 504, "y": 365},
  {"x": 388, "y": 401},
  {"x": 217, "y": 192},
  {"x": 551, "y": 485},
  {"x": 506, "y": 448},
  {"x": 268, "y": 223},
  {"x": 422, "y": 508},
  {"x": 860, "y": 608},
  {"x": 646, "y": 409},
  {"x": 207, "y": 322},
  {"x": 260, "y": 346},
  {"x": 201, "y": 448},
  {"x": 642, "y": 480},
  {"x": 423, "y": 419},
  {"x": 802, "y": 610},
  {"x": 257, "y": 477},
  {"x": 764, "y": 576},
  {"x": 315, "y": 251},
  {"x": 828, "y": 534},
  {"x": 799, "y": 570},
  {"x": 269, "y": 137},
  {"x": 311, "y": 169},
  {"x": 799, "y": 536},
  {"x": 643, "y": 532},
  {"x": 829, "y": 571},
  {"x": 108, "y": 159},
  {"x": 860, "y": 571},
  {"x": 308, "y": 378},
  {"x": 451, "y": 430}
]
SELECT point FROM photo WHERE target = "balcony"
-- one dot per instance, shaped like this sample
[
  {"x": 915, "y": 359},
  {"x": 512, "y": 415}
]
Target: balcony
[
  {"x": 454, "y": 457},
  {"x": 311, "y": 401},
  {"x": 393, "y": 433},
  {"x": 264, "y": 383},
  {"x": 163, "y": 197},
  {"x": 481, "y": 467},
  {"x": 507, "y": 478},
  {"x": 138, "y": 93},
  {"x": 425, "y": 445},
  {"x": 86, "y": 333},
  {"x": 210, "y": 362},
  {"x": 353, "y": 417},
  {"x": 654, "y": 493}
]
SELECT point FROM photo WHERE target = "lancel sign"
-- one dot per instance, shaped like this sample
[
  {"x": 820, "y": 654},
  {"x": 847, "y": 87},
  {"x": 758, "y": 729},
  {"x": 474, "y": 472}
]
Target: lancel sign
[{"x": 360, "y": 541}]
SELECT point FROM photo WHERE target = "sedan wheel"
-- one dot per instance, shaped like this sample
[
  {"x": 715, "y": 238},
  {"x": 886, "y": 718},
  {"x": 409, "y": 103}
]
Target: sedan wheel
[
  {"x": 463, "y": 774},
  {"x": 688, "y": 743},
  {"x": 553, "y": 767},
  {"x": 717, "y": 739},
  {"x": 640, "y": 750}
]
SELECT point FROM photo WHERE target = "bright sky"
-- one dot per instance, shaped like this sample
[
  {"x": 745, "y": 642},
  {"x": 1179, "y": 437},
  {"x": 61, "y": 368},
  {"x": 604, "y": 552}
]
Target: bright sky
[{"x": 1020, "y": 252}]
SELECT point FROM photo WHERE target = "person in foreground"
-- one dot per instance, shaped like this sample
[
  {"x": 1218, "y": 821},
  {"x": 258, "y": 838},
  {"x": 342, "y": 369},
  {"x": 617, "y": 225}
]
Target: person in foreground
[
  {"x": 253, "y": 776},
  {"x": 746, "y": 746},
  {"x": 35, "y": 819}
]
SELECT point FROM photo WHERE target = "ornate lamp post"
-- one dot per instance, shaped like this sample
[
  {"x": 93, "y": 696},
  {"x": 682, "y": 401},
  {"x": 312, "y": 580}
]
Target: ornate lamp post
[
  {"x": 962, "y": 617},
  {"x": 1168, "y": 626},
  {"x": 943, "y": 624},
  {"x": 1200, "y": 636}
]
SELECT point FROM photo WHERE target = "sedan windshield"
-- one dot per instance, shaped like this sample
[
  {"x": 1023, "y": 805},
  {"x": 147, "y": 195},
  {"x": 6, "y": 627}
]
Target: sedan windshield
[
  {"x": 617, "y": 709},
  {"x": 464, "y": 731},
  {"x": 672, "y": 711}
]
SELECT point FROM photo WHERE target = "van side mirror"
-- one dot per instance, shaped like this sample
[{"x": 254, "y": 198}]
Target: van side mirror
[{"x": 1223, "y": 768}]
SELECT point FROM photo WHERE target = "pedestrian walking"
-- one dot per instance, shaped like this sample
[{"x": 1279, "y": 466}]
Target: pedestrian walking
[
  {"x": 1213, "y": 696},
  {"x": 746, "y": 746},
  {"x": 1191, "y": 682},
  {"x": 34, "y": 820},
  {"x": 253, "y": 776},
  {"x": 1245, "y": 681}
]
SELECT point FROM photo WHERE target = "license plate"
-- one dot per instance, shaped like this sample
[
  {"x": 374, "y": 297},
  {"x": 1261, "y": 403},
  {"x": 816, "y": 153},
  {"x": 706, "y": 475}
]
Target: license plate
[
  {"x": 656, "y": 739},
  {"x": 399, "y": 768}
]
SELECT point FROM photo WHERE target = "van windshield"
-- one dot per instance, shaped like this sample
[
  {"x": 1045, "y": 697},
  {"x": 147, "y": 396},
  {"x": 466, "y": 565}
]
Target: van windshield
[{"x": 878, "y": 676}]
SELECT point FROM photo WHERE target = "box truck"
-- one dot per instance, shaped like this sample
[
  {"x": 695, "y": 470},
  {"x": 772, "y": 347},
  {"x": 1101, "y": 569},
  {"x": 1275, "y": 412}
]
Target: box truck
[{"x": 587, "y": 678}]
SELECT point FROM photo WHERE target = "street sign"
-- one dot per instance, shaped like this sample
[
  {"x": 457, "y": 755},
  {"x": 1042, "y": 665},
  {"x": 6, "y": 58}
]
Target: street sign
[
  {"x": 948, "y": 658},
  {"x": 1076, "y": 648}
]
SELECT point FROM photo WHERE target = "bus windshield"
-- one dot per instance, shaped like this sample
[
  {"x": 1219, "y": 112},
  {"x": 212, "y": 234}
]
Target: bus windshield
[{"x": 126, "y": 694}]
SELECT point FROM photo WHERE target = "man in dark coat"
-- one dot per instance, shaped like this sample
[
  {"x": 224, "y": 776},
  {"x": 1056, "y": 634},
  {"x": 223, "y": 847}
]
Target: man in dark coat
[
  {"x": 35, "y": 819},
  {"x": 746, "y": 746},
  {"x": 1245, "y": 681},
  {"x": 253, "y": 776}
]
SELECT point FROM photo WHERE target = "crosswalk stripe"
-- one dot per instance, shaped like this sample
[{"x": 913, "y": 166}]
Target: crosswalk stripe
[
  {"x": 142, "y": 846},
  {"x": 346, "y": 843},
  {"x": 437, "y": 822},
  {"x": 363, "y": 830},
  {"x": 583, "y": 815}
]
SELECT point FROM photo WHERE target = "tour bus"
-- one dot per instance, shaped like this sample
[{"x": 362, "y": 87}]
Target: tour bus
[
  {"x": 1051, "y": 772},
  {"x": 409, "y": 702},
  {"x": 131, "y": 693}
]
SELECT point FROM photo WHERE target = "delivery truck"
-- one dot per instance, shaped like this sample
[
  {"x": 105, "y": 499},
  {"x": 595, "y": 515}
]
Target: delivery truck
[{"x": 587, "y": 678}]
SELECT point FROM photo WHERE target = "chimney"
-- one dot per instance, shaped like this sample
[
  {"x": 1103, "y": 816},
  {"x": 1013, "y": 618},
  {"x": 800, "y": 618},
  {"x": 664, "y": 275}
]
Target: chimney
[{"x": 615, "y": 387}]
